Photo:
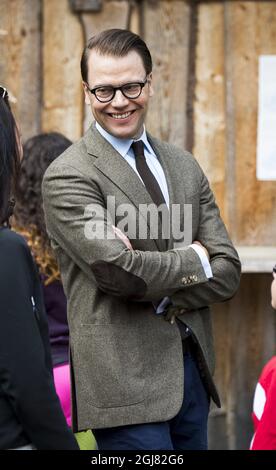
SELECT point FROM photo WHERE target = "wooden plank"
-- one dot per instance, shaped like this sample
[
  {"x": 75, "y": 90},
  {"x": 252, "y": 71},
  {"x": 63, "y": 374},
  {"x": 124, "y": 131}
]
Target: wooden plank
[
  {"x": 166, "y": 32},
  {"x": 135, "y": 18},
  {"x": 250, "y": 31},
  {"x": 257, "y": 259},
  {"x": 62, "y": 49},
  {"x": 219, "y": 432},
  {"x": 114, "y": 14},
  {"x": 209, "y": 105},
  {"x": 217, "y": 429},
  {"x": 253, "y": 340},
  {"x": 20, "y": 62},
  {"x": 244, "y": 341}
]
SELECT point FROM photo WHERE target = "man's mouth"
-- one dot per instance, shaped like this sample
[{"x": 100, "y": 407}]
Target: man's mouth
[{"x": 121, "y": 116}]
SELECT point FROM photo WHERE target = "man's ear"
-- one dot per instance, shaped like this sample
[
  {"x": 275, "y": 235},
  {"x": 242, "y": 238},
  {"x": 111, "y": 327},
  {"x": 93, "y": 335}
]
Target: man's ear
[
  {"x": 86, "y": 93},
  {"x": 151, "y": 90}
]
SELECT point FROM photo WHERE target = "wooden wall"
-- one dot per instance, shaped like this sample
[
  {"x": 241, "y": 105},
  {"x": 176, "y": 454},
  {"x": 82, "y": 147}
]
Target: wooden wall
[
  {"x": 206, "y": 100},
  {"x": 20, "y": 60},
  {"x": 244, "y": 340}
]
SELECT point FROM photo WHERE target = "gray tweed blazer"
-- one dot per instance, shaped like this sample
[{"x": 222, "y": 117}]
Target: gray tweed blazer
[{"x": 126, "y": 361}]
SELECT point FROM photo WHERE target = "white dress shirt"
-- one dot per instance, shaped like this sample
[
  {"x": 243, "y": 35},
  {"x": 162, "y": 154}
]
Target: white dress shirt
[{"x": 123, "y": 147}]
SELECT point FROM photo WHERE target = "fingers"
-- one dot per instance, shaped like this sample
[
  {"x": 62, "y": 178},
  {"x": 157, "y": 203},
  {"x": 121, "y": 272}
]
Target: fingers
[
  {"x": 170, "y": 315},
  {"x": 122, "y": 237},
  {"x": 196, "y": 242},
  {"x": 172, "y": 320}
]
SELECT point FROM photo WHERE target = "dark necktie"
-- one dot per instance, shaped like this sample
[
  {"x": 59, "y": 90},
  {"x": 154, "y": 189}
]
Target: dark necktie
[{"x": 149, "y": 180}]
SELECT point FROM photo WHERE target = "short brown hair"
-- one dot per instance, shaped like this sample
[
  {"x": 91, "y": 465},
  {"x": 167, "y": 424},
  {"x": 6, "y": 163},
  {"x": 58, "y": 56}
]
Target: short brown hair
[{"x": 116, "y": 42}]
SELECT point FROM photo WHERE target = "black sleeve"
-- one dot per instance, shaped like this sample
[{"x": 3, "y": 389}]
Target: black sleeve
[{"x": 25, "y": 369}]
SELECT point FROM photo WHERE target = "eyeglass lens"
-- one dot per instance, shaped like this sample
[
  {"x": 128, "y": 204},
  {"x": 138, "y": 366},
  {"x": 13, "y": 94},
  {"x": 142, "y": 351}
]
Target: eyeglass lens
[{"x": 130, "y": 90}]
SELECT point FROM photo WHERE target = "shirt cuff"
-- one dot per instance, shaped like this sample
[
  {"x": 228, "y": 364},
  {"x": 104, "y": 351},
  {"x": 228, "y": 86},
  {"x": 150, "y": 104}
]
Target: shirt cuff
[
  {"x": 204, "y": 259},
  {"x": 161, "y": 306}
]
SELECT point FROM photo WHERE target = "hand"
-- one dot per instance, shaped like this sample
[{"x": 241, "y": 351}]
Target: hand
[
  {"x": 122, "y": 237},
  {"x": 172, "y": 313},
  {"x": 205, "y": 249}
]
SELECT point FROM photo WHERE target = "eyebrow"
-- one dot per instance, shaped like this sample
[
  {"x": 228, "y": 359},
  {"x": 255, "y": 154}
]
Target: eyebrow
[{"x": 115, "y": 86}]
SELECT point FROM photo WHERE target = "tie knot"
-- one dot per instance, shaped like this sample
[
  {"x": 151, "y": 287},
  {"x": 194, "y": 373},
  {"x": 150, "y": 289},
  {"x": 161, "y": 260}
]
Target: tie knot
[{"x": 138, "y": 148}]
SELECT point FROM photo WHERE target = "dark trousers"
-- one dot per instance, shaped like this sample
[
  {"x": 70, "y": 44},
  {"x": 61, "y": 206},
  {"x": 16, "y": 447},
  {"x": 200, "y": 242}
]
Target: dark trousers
[{"x": 186, "y": 431}]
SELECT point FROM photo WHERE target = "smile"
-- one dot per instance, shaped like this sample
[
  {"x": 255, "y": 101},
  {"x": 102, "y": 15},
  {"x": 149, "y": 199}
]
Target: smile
[{"x": 121, "y": 116}]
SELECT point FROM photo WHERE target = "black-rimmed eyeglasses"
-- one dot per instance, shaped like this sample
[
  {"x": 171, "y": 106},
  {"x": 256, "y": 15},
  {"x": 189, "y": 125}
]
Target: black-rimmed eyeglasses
[
  {"x": 274, "y": 269},
  {"x": 106, "y": 93}
]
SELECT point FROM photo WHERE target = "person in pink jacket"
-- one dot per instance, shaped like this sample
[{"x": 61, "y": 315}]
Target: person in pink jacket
[{"x": 264, "y": 405}]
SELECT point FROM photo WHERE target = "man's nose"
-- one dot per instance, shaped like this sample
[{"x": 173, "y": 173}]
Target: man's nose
[{"x": 119, "y": 99}]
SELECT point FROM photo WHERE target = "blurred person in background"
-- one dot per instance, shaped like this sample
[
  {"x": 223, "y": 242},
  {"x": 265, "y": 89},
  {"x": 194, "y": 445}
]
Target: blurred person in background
[
  {"x": 38, "y": 152},
  {"x": 264, "y": 405},
  {"x": 30, "y": 413}
]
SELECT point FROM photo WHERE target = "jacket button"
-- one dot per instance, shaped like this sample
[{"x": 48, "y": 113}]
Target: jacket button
[
  {"x": 194, "y": 277},
  {"x": 184, "y": 280}
]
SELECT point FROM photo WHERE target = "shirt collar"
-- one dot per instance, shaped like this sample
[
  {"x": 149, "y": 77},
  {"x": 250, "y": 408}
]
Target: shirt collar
[
  {"x": 146, "y": 142},
  {"x": 123, "y": 145}
]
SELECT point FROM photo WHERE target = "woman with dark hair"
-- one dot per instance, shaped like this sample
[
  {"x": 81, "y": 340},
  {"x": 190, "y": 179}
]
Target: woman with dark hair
[
  {"x": 30, "y": 412},
  {"x": 39, "y": 151}
]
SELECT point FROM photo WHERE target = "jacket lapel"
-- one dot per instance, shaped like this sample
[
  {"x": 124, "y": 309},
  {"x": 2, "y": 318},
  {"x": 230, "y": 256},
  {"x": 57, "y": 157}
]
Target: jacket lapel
[
  {"x": 116, "y": 168},
  {"x": 174, "y": 177}
]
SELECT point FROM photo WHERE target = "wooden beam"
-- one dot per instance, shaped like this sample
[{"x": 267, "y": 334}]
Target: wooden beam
[
  {"x": 62, "y": 49},
  {"x": 257, "y": 259},
  {"x": 169, "y": 22},
  {"x": 250, "y": 32},
  {"x": 209, "y": 101},
  {"x": 20, "y": 60},
  {"x": 114, "y": 14}
]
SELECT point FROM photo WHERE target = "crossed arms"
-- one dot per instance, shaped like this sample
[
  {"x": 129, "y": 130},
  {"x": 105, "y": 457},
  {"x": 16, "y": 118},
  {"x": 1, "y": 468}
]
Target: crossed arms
[{"x": 135, "y": 274}]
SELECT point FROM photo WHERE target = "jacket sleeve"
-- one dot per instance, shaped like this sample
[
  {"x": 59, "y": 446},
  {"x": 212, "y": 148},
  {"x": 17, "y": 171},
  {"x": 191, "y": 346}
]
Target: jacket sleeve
[
  {"x": 75, "y": 212},
  {"x": 224, "y": 260},
  {"x": 25, "y": 370}
]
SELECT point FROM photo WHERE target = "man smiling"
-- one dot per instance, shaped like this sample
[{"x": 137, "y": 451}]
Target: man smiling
[
  {"x": 123, "y": 114},
  {"x": 128, "y": 362}
]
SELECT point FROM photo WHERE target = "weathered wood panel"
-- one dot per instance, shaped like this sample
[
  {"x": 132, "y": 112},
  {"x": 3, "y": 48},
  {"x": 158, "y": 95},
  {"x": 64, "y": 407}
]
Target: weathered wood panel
[
  {"x": 209, "y": 105},
  {"x": 135, "y": 18},
  {"x": 20, "y": 60},
  {"x": 114, "y": 14},
  {"x": 245, "y": 340},
  {"x": 166, "y": 32},
  {"x": 62, "y": 91},
  {"x": 250, "y": 31}
]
